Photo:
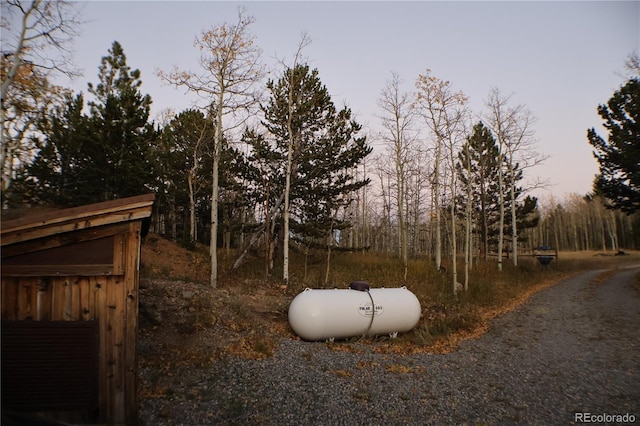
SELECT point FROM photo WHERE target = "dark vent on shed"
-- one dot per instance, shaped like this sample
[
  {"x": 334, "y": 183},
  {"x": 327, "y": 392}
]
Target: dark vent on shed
[{"x": 49, "y": 365}]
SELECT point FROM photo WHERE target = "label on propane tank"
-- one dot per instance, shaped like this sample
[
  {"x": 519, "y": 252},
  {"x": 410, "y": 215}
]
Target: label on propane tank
[{"x": 366, "y": 310}]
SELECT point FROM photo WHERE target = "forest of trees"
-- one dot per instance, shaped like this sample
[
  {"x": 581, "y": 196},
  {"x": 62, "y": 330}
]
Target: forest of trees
[{"x": 267, "y": 164}]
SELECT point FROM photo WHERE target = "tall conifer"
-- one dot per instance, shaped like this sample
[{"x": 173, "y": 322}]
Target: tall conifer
[
  {"x": 119, "y": 115},
  {"x": 326, "y": 150}
]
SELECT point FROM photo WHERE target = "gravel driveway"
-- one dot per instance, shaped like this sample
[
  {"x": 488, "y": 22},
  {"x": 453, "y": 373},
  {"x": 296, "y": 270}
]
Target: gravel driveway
[{"x": 573, "y": 348}]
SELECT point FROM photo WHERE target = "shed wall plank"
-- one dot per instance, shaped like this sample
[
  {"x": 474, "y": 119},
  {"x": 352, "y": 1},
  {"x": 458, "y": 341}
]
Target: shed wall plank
[
  {"x": 118, "y": 254},
  {"x": 58, "y": 297},
  {"x": 117, "y": 334},
  {"x": 131, "y": 319},
  {"x": 68, "y": 300},
  {"x": 27, "y": 299},
  {"x": 86, "y": 306},
  {"x": 10, "y": 287},
  {"x": 44, "y": 299},
  {"x": 100, "y": 297}
]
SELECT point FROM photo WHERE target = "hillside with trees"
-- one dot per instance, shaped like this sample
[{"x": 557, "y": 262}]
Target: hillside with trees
[{"x": 265, "y": 167}]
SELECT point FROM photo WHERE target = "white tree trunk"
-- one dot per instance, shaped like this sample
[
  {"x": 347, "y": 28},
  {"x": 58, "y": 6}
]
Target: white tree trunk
[
  {"x": 468, "y": 216},
  {"x": 230, "y": 64},
  {"x": 452, "y": 190},
  {"x": 402, "y": 225},
  {"x": 514, "y": 224},
  {"x": 192, "y": 210},
  {"x": 287, "y": 186},
  {"x": 613, "y": 230},
  {"x": 454, "y": 244},
  {"x": 501, "y": 221},
  {"x": 217, "y": 148},
  {"x": 436, "y": 202},
  {"x": 285, "y": 217}
]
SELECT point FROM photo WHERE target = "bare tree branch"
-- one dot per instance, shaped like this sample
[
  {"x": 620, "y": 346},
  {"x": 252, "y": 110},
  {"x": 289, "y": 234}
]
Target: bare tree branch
[
  {"x": 445, "y": 113},
  {"x": 37, "y": 37},
  {"x": 230, "y": 67}
]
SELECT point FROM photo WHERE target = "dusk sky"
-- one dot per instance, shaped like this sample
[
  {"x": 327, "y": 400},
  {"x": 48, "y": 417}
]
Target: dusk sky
[{"x": 560, "y": 59}]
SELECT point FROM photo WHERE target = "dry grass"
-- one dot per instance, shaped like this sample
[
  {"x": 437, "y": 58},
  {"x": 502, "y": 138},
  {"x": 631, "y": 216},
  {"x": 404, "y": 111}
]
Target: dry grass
[
  {"x": 255, "y": 306},
  {"x": 447, "y": 319}
]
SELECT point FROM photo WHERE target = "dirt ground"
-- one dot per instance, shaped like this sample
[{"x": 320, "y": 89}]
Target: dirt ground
[
  {"x": 161, "y": 257},
  {"x": 186, "y": 320},
  {"x": 185, "y": 323},
  {"x": 183, "y": 318}
]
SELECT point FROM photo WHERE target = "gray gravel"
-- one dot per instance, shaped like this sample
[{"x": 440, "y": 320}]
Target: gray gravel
[{"x": 574, "y": 347}]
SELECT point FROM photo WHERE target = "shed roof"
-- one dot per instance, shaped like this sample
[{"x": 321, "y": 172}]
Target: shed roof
[{"x": 41, "y": 225}]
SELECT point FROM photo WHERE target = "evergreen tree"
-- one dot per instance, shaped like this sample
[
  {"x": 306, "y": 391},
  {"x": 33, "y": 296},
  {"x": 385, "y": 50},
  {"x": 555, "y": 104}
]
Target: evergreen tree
[
  {"x": 527, "y": 214},
  {"x": 124, "y": 136},
  {"x": 526, "y": 210},
  {"x": 183, "y": 182},
  {"x": 104, "y": 155},
  {"x": 326, "y": 150},
  {"x": 63, "y": 172},
  {"x": 482, "y": 149},
  {"x": 619, "y": 158},
  {"x": 183, "y": 172},
  {"x": 235, "y": 202}
]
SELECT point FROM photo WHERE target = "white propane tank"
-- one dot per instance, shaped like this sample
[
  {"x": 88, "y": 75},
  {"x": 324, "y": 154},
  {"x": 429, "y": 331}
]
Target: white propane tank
[{"x": 322, "y": 314}]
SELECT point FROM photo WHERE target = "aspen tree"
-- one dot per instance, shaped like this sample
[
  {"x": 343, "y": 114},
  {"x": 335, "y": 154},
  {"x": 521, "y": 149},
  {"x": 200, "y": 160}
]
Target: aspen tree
[
  {"x": 498, "y": 122},
  {"x": 293, "y": 142},
  {"x": 384, "y": 175},
  {"x": 230, "y": 68},
  {"x": 37, "y": 37},
  {"x": 397, "y": 120},
  {"x": 445, "y": 114},
  {"x": 468, "y": 217},
  {"x": 513, "y": 128}
]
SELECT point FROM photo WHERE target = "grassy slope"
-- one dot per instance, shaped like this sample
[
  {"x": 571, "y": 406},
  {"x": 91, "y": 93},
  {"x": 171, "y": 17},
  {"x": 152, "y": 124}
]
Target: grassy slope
[{"x": 254, "y": 305}]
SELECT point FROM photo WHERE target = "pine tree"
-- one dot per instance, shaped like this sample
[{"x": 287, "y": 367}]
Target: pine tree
[
  {"x": 327, "y": 146},
  {"x": 119, "y": 116},
  {"x": 181, "y": 175},
  {"x": 183, "y": 183},
  {"x": 325, "y": 151},
  {"x": 619, "y": 158},
  {"x": 62, "y": 173},
  {"x": 482, "y": 150},
  {"x": 104, "y": 155},
  {"x": 527, "y": 214}
]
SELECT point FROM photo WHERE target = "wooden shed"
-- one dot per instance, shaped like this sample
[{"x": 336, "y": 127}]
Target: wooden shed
[{"x": 70, "y": 313}]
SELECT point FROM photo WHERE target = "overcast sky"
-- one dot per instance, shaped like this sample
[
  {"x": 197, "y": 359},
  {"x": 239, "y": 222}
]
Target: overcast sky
[{"x": 560, "y": 59}]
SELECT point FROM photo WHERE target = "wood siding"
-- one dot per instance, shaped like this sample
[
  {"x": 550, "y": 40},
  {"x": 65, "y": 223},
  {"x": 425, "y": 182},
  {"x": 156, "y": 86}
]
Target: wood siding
[
  {"x": 109, "y": 300},
  {"x": 46, "y": 278}
]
